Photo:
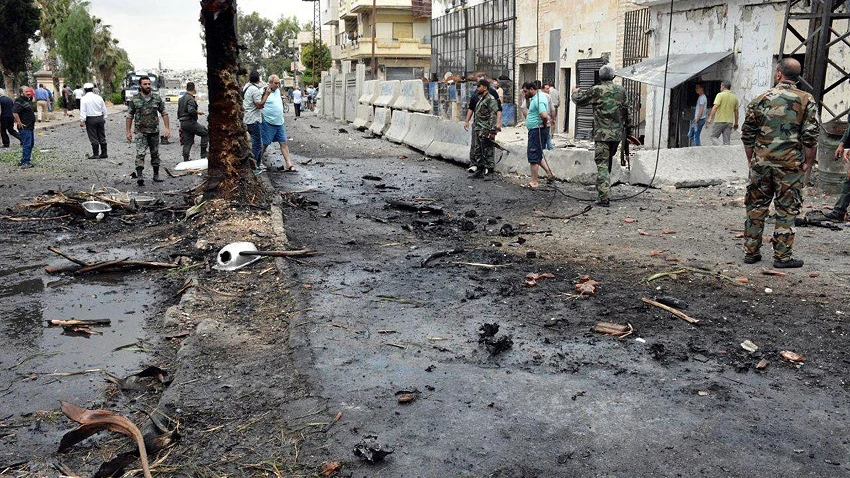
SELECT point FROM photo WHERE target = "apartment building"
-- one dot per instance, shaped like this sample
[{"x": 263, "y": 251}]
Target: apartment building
[{"x": 402, "y": 36}]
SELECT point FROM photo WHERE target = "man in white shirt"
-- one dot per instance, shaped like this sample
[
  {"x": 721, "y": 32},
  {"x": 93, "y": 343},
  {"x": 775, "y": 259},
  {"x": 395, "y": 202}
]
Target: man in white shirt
[
  {"x": 296, "y": 100},
  {"x": 78, "y": 95},
  {"x": 93, "y": 118},
  {"x": 252, "y": 102}
]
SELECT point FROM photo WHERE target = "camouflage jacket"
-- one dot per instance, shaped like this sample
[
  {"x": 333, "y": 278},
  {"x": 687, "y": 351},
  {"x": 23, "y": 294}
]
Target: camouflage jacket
[
  {"x": 780, "y": 122},
  {"x": 144, "y": 112},
  {"x": 611, "y": 113},
  {"x": 485, "y": 113}
]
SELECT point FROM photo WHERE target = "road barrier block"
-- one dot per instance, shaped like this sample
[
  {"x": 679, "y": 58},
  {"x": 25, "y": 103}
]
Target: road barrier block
[
  {"x": 399, "y": 126},
  {"x": 422, "y": 131},
  {"x": 412, "y": 97},
  {"x": 387, "y": 93},
  {"x": 381, "y": 122},
  {"x": 451, "y": 142}
]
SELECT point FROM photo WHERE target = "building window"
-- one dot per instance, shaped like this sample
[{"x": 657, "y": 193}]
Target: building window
[{"x": 402, "y": 30}]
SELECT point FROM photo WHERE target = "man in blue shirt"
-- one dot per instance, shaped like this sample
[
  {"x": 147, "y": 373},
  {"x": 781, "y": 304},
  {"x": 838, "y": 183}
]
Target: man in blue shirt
[
  {"x": 272, "y": 129},
  {"x": 42, "y": 102},
  {"x": 537, "y": 122},
  {"x": 700, "y": 115}
]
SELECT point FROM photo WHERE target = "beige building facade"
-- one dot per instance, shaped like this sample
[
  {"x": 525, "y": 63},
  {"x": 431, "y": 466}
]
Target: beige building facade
[
  {"x": 402, "y": 46},
  {"x": 565, "y": 43}
]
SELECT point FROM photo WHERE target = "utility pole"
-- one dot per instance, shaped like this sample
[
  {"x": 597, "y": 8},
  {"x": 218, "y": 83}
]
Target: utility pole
[
  {"x": 317, "y": 31},
  {"x": 374, "y": 60}
]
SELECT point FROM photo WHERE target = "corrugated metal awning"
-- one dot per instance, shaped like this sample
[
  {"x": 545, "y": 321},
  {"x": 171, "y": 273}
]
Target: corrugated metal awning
[{"x": 682, "y": 67}]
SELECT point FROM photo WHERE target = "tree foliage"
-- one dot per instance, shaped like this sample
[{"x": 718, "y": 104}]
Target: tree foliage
[
  {"x": 281, "y": 54},
  {"x": 323, "y": 60},
  {"x": 53, "y": 13},
  {"x": 253, "y": 31},
  {"x": 109, "y": 61},
  {"x": 20, "y": 20},
  {"x": 74, "y": 40}
]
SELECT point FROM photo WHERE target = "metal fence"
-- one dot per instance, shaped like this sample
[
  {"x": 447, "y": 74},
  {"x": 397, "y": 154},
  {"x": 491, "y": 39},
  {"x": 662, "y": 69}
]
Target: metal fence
[{"x": 479, "y": 38}]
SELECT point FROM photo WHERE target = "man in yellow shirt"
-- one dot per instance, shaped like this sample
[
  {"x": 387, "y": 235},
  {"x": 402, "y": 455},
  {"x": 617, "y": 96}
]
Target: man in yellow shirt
[{"x": 725, "y": 111}]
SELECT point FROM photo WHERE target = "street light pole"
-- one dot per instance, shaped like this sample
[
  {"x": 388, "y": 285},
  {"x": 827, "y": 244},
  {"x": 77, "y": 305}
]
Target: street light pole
[{"x": 374, "y": 23}]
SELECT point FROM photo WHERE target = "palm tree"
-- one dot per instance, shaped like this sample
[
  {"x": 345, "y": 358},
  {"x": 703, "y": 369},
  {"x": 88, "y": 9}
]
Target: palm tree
[
  {"x": 106, "y": 56},
  {"x": 53, "y": 13}
]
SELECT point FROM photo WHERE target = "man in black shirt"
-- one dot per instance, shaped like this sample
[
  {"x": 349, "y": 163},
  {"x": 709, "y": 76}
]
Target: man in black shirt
[
  {"x": 7, "y": 120},
  {"x": 25, "y": 121}
]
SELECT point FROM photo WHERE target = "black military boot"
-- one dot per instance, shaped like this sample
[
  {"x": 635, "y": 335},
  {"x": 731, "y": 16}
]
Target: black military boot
[
  {"x": 140, "y": 179},
  {"x": 156, "y": 177},
  {"x": 203, "y": 152},
  {"x": 95, "y": 151},
  {"x": 103, "y": 154}
]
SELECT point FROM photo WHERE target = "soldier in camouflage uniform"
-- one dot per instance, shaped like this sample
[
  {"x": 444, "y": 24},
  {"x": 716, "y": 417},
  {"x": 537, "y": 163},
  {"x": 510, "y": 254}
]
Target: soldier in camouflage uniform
[
  {"x": 484, "y": 130},
  {"x": 610, "y": 119},
  {"x": 780, "y": 133},
  {"x": 144, "y": 109}
]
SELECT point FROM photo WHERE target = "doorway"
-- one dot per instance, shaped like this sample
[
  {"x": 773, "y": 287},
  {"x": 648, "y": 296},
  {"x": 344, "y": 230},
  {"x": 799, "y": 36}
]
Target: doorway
[{"x": 683, "y": 100}]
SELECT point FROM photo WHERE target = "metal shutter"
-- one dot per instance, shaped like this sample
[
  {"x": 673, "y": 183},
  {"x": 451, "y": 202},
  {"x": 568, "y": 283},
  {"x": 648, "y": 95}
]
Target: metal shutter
[{"x": 587, "y": 75}]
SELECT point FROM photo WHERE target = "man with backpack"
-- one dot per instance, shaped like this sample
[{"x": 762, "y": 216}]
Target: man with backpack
[{"x": 252, "y": 103}]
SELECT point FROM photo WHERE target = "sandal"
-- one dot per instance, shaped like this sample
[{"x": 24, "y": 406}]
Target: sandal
[{"x": 529, "y": 186}]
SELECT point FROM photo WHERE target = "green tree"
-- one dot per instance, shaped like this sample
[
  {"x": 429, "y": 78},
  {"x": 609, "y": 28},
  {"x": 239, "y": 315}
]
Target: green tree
[
  {"x": 74, "y": 41},
  {"x": 281, "y": 53},
  {"x": 253, "y": 31},
  {"x": 323, "y": 61},
  {"x": 20, "y": 24}
]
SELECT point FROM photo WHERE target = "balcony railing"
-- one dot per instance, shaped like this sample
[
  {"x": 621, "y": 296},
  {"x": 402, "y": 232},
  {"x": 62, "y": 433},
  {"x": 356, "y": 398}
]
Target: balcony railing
[{"x": 395, "y": 47}]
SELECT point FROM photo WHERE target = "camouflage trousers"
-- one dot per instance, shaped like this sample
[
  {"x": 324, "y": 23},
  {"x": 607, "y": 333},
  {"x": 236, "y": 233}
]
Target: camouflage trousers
[
  {"x": 482, "y": 150},
  {"x": 604, "y": 155},
  {"x": 144, "y": 142},
  {"x": 783, "y": 186}
]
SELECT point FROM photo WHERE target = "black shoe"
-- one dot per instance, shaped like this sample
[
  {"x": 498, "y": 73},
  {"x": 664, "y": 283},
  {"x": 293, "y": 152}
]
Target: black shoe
[
  {"x": 478, "y": 174},
  {"x": 604, "y": 203},
  {"x": 752, "y": 259},
  {"x": 103, "y": 156},
  {"x": 789, "y": 264},
  {"x": 92, "y": 156},
  {"x": 835, "y": 216},
  {"x": 140, "y": 182}
]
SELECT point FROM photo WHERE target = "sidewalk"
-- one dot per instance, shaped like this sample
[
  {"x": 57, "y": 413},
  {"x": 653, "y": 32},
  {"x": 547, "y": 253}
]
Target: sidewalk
[{"x": 60, "y": 119}]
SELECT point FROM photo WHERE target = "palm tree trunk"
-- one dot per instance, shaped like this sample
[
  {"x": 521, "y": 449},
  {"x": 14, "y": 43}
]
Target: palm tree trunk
[{"x": 229, "y": 174}]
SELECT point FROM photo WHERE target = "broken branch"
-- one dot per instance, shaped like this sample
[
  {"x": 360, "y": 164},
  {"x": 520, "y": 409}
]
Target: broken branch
[
  {"x": 440, "y": 254},
  {"x": 678, "y": 313}
]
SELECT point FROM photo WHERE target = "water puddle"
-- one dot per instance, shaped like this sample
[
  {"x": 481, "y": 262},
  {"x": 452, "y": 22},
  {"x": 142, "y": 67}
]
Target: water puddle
[{"x": 42, "y": 365}]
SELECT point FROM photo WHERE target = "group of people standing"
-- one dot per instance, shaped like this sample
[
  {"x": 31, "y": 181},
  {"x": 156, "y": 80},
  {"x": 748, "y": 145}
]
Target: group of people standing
[{"x": 263, "y": 106}]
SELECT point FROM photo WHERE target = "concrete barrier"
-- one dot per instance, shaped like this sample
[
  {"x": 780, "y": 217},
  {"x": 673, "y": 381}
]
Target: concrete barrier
[
  {"x": 690, "y": 167},
  {"x": 370, "y": 91},
  {"x": 327, "y": 108},
  {"x": 575, "y": 165},
  {"x": 364, "y": 116},
  {"x": 399, "y": 126},
  {"x": 412, "y": 97},
  {"x": 388, "y": 92},
  {"x": 381, "y": 122},
  {"x": 451, "y": 142},
  {"x": 339, "y": 97},
  {"x": 365, "y": 111},
  {"x": 422, "y": 131},
  {"x": 351, "y": 98}
]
